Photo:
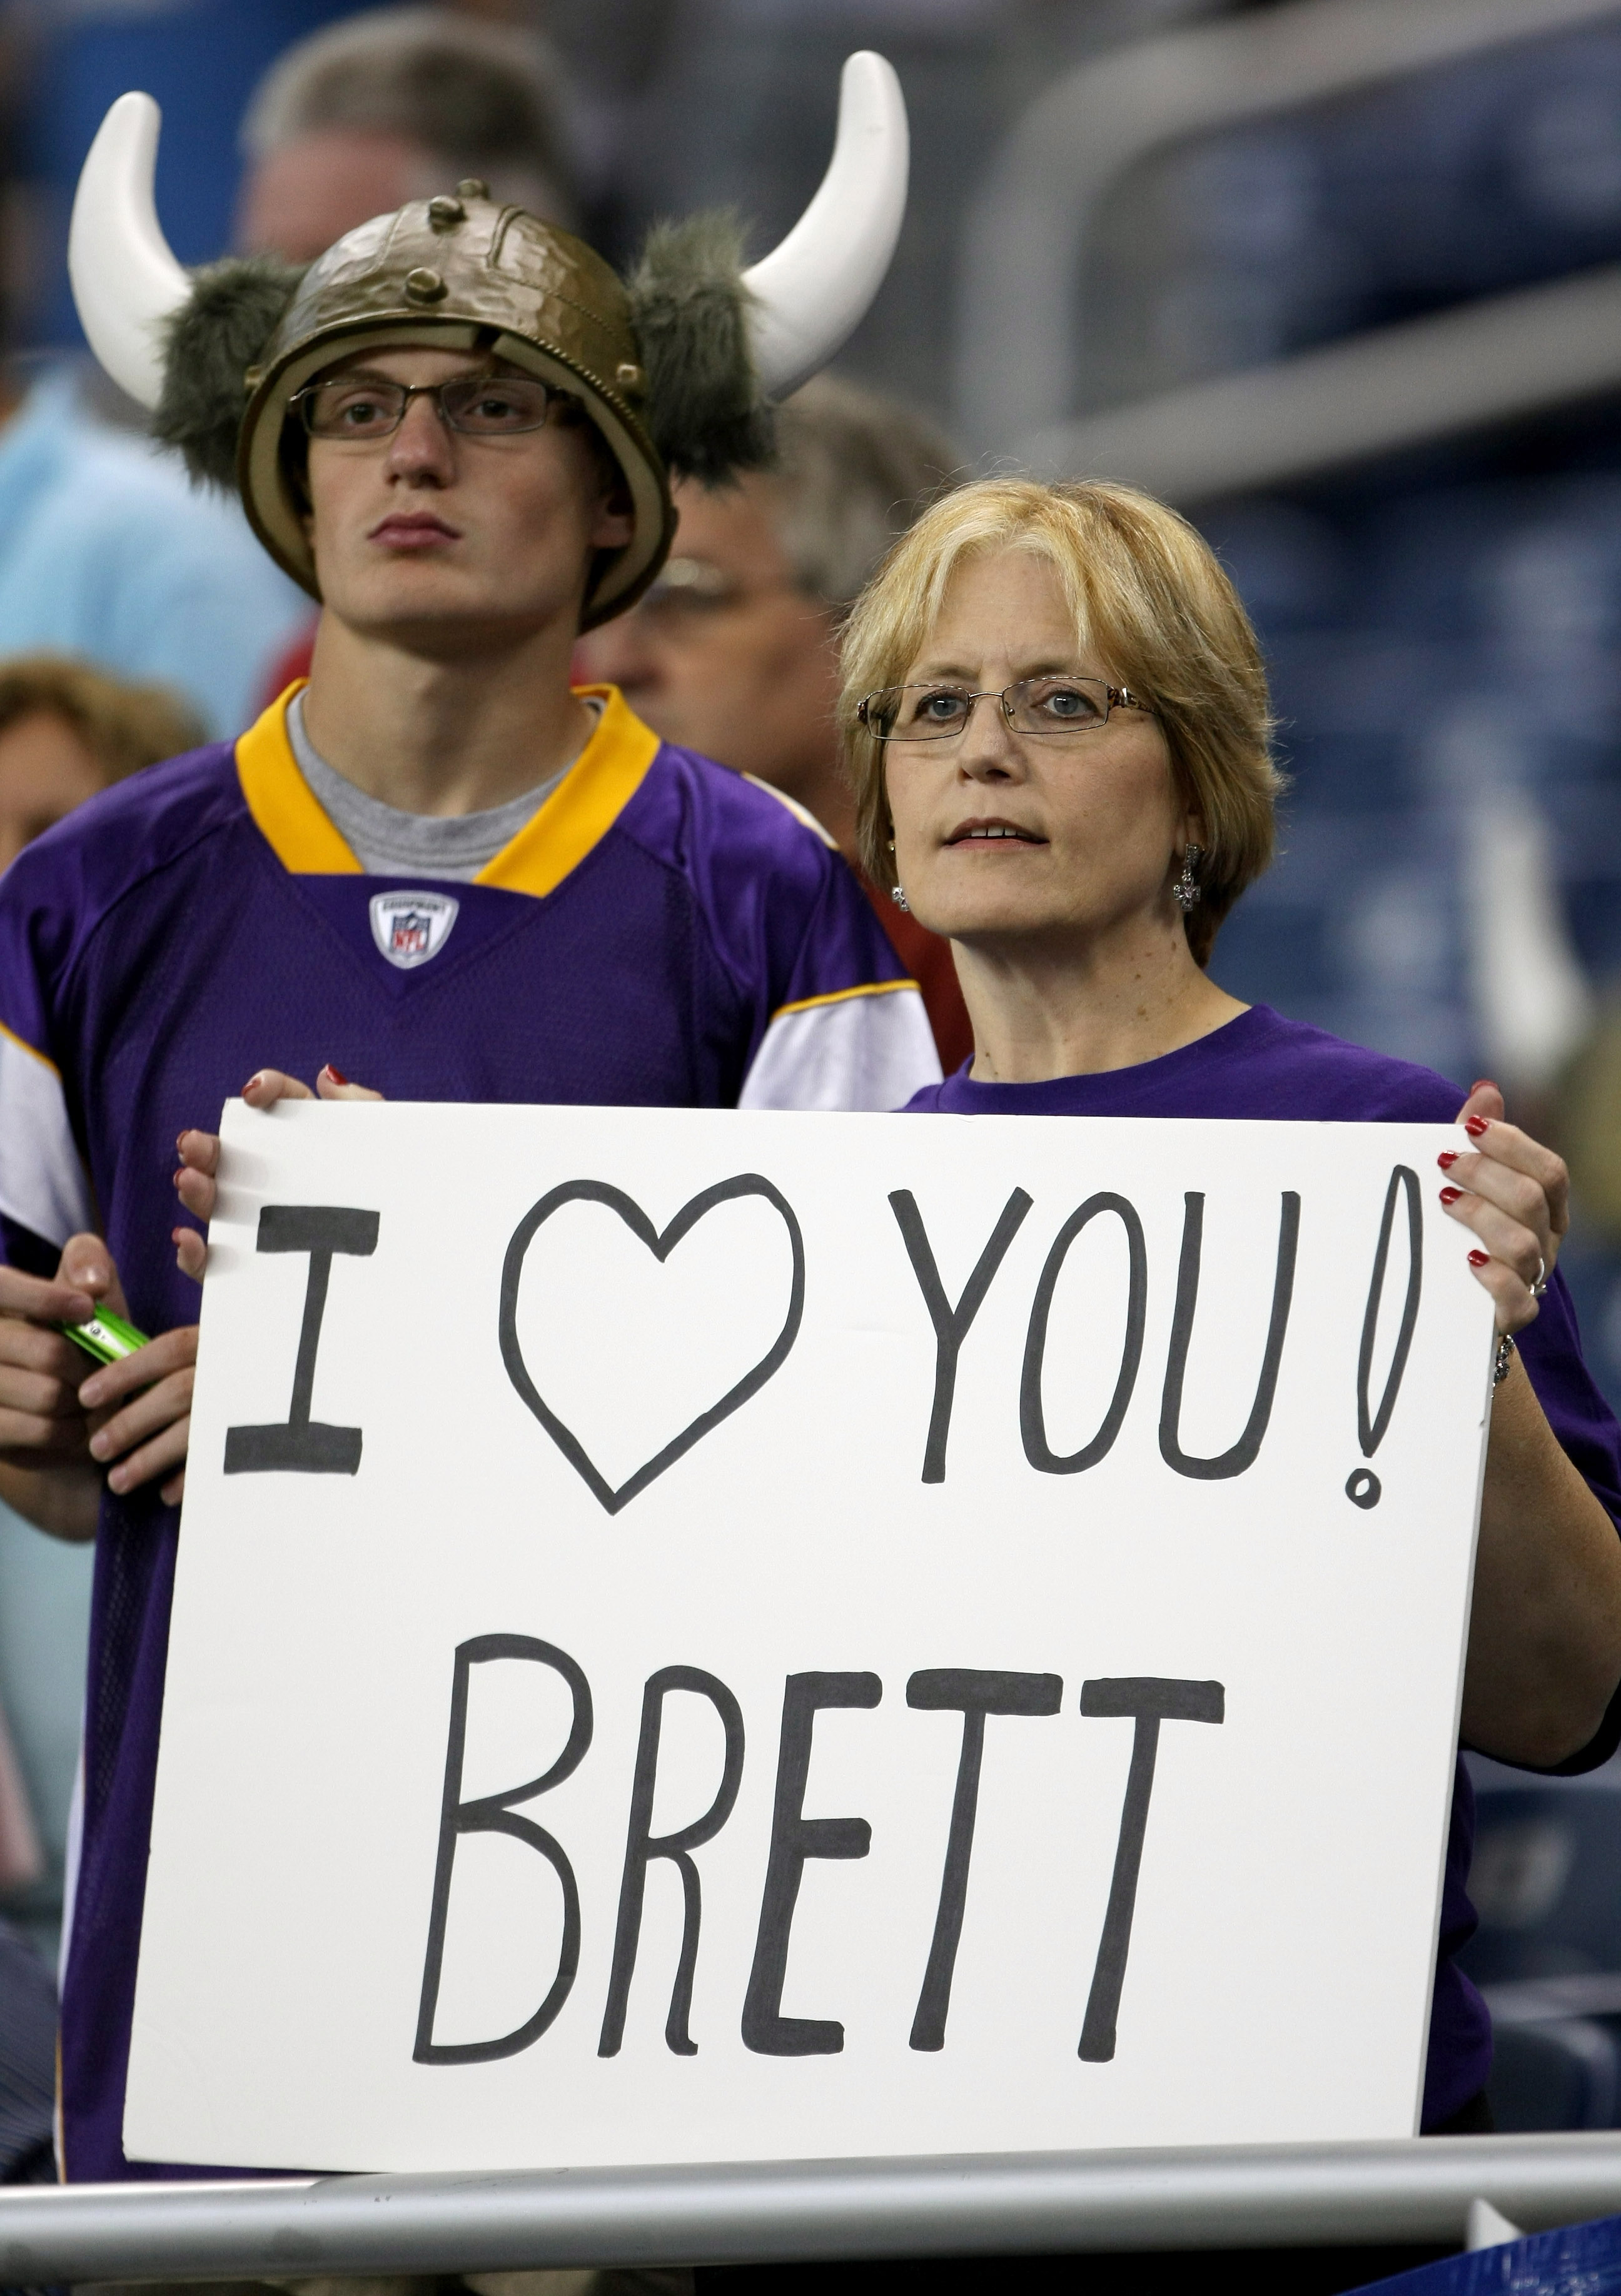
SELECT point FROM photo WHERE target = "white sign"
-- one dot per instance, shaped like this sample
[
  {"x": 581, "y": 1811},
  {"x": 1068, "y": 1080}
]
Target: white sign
[{"x": 719, "y": 1636}]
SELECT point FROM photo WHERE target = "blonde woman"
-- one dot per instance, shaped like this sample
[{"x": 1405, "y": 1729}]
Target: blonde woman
[{"x": 1057, "y": 721}]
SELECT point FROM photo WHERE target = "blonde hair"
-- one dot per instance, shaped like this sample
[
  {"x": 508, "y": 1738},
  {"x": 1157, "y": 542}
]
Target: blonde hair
[
  {"x": 122, "y": 726},
  {"x": 1148, "y": 595}
]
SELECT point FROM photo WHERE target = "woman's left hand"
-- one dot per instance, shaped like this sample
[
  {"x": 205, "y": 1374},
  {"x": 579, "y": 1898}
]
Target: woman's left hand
[{"x": 1515, "y": 1194}]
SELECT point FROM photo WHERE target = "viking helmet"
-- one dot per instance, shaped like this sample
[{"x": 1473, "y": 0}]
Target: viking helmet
[{"x": 676, "y": 366}]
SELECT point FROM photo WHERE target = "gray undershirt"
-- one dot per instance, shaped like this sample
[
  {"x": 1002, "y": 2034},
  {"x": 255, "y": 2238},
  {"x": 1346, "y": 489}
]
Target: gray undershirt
[{"x": 390, "y": 843}]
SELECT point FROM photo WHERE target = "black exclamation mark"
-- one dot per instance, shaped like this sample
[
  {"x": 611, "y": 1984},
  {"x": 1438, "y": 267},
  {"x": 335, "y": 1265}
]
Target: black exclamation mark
[{"x": 1362, "y": 1487}]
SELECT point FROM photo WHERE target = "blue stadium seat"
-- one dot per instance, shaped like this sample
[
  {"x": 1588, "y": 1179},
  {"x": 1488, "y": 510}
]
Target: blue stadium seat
[
  {"x": 1450, "y": 622},
  {"x": 1562, "y": 2074},
  {"x": 1546, "y": 1882}
]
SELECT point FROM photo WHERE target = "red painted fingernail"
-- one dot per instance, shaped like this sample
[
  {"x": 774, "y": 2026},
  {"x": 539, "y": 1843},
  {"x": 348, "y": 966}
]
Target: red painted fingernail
[
  {"x": 1476, "y": 1124},
  {"x": 1483, "y": 1084},
  {"x": 1479, "y": 1259},
  {"x": 336, "y": 1074},
  {"x": 1447, "y": 1158},
  {"x": 1450, "y": 1195},
  {"x": 248, "y": 1087}
]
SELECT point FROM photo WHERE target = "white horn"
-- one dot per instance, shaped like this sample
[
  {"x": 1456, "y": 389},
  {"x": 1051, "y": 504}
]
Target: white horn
[
  {"x": 126, "y": 282},
  {"x": 813, "y": 290}
]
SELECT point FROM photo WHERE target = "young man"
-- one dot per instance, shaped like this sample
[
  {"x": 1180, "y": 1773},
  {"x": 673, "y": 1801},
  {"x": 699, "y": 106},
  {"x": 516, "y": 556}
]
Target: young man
[
  {"x": 363, "y": 115},
  {"x": 436, "y": 865}
]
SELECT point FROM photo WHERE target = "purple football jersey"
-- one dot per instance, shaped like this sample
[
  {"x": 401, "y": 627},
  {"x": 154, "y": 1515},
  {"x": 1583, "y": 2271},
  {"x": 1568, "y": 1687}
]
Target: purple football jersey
[
  {"x": 1261, "y": 1065},
  {"x": 663, "y": 932}
]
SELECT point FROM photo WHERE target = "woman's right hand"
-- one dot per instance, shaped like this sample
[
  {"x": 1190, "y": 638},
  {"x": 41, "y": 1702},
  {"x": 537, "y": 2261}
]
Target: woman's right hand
[{"x": 196, "y": 1183}]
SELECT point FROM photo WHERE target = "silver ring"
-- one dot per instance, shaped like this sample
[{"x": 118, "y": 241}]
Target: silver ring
[{"x": 1540, "y": 1284}]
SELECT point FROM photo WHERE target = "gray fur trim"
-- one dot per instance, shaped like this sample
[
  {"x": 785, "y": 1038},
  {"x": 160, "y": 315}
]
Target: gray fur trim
[
  {"x": 213, "y": 339},
  {"x": 690, "y": 308}
]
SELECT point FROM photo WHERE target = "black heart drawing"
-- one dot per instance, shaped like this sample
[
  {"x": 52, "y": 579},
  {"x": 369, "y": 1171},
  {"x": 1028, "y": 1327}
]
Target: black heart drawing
[{"x": 598, "y": 1192}]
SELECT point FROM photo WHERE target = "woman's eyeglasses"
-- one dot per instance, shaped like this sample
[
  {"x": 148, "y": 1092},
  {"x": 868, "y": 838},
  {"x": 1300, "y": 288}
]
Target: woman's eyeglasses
[{"x": 1049, "y": 704}]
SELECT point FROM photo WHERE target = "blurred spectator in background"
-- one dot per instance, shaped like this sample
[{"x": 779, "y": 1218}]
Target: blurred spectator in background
[
  {"x": 394, "y": 106},
  {"x": 66, "y": 732},
  {"x": 108, "y": 553},
  {"x": 1589, "y": 1110},
  {"x": 27, "y": 1998},
  {"x": 733, "y": 651},
  {"x": 387, "y": 107},
  {"x": 22, "y": 1859},
  {"x": 27, "y": 2050}
]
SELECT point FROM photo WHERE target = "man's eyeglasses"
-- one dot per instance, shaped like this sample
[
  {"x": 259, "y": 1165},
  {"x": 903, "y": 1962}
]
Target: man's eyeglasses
[
  {"x": 1049, "y": 704},
  {"x": 477, "y": 405}
]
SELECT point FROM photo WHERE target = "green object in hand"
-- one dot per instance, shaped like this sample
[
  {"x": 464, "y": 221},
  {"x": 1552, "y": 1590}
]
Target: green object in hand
[{"x": 106, "y": 1336}]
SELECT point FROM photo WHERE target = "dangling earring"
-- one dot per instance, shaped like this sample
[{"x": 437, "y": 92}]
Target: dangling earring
[
  {"x": 897, "y": 893},
  {"x": 1187, "y": 886}
]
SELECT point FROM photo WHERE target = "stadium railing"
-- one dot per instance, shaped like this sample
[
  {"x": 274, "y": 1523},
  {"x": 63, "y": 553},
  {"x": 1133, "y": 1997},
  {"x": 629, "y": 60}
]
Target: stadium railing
[
  {"x": 1434, "y": 2189},
  {"x": 1021, "y": 346}
]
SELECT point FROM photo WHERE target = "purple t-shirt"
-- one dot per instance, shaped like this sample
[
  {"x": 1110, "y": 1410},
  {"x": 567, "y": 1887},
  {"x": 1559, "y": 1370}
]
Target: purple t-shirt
[{"x": 1261, "y": 1065}]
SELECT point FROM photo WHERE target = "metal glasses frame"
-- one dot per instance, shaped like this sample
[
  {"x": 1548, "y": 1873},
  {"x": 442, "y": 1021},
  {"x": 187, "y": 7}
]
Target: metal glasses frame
[
  {"x": 436, "y": 391},
  {"x": 1116, "y": 697}
]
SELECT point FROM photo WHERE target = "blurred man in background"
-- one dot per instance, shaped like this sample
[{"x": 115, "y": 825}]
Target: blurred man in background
[
  {"x": 732, "y": 652},
  {"x": 394, "y": 106}
]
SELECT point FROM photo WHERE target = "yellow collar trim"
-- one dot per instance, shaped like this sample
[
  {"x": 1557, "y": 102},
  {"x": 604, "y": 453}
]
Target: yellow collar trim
[
  {"x": 284, "y": 807},
  {"x": 584, "y": 806},
  {"x": 578, "y": 815}
]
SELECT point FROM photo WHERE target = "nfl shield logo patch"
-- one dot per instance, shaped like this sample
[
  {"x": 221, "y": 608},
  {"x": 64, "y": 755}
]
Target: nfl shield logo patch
[{"x": 409, "y": 928}]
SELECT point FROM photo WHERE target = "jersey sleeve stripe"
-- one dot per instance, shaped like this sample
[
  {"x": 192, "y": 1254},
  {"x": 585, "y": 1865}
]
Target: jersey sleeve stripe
[
  {"x": 855, "y": 1050},
  {"x": 33, "y": 1052},
  {"x": 42, "y": 1182},
  {"x": 285, "y": 807},
  {"x": 843, "y": 995},
  {"x": 802, "y": 813}
]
